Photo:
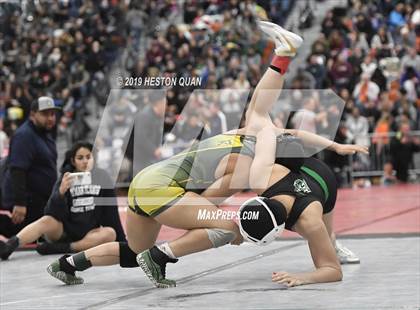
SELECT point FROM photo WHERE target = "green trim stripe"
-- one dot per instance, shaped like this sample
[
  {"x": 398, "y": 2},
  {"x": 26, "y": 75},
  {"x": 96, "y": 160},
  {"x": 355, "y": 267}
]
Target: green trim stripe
[{"x": 319, "y": 179}]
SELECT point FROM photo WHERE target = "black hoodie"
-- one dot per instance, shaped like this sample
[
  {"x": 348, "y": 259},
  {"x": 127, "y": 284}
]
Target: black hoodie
[{"x": 86, "y": 207}]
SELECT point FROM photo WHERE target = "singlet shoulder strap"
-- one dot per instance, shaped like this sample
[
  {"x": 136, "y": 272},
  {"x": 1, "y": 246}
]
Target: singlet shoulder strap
[
  {"x": 282, "y": 186},
  {"x": 298, "y": 207},
  {"x": 295, "y": 185}
]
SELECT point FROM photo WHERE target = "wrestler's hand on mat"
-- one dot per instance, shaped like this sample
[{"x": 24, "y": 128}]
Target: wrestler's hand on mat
[
  {"x": 349, "y": 149},
  {"x": 286, "y": 278}
]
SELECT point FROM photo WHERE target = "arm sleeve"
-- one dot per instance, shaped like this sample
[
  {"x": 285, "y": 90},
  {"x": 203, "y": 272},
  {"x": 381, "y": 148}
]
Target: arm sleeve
[
  {"x": 18, "y": 179},
  {"x": 20, "y": 159},
  {"x": 57, "y": 205},
  {"x": 22, "y": 152}
]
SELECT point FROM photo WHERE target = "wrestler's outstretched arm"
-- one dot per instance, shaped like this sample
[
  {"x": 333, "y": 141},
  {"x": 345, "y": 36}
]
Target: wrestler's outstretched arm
[
  {"x": 265, "y": 152},
  {"x": 311, "y": 139},
  {"x": 327, "y": 268}
]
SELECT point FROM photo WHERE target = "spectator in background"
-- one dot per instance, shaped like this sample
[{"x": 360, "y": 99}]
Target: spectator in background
[
  {"x": 74, "y": 220},
  {"x": 382, "y": 43},
  {"x": 412, "y": 59},
  {"x": 403, "y": 146},
  {"x": 357, "y": 132},
  {"x": 366, "y": 90},
  {"x": 383, "y": 79},
  {"x": 358, "y": 41},
  {"x": 388, "y": 178},
  {"x": 341, "y": 72},
  {"x": 405, "y": 41},
  {"x": 396, "y": 18},
  {"x": 31, "y": 168},
  {"x": 410, "y": 83},
  {"x": 307, "y": 119},
  {"x": 230, "y": 99},
  {"x": 368, "y": 65},
  {"x": 357, "y": 128},
  {"x": 122, "y": 114},
  {"x": 336, "y": 42},
  {"x": 4, "y": 142},
  {"x": 378, "y": 77},
  {"x": 52, "y": 46},
  {"x": 328, "y": 24},
  {"x": 148, "y": 132},
  {"x": 320, "y": 49},
  {"x": 355, "y": 60},
  {"x": 403, "y": 108},
  {"x": 338, "y": 162},
  {"x": 241, "y": 82},
  {"x": 216, "y": 119},
  {"x": 382, "y": 129},
  {"x": 364, "y": 25},
  {"x": 303, "y": 79},
  {"x": 372, "y": 113},
  {"x": 192, "y": 128},
  {"x": 415, "y": 18},
  {"x": 318, "y": 71}
]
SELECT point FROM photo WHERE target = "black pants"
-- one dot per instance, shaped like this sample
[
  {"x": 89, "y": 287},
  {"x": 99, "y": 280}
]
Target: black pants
[
  {"x": 34, "y": 211},
  {"x": 402, "y": 171}
]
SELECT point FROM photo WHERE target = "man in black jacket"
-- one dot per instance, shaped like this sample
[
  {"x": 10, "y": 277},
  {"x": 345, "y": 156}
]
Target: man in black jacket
[
  {"x": 31, "y": 168},
  {"x": 403, "y": 147},
  {"x": 148, "y": 132}
]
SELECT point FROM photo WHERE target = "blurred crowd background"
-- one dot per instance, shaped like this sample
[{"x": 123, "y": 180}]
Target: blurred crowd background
[{"x": 367, "y": 52}]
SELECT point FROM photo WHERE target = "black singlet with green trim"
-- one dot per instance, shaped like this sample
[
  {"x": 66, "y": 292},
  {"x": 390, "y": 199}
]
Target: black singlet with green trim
[{"x": 313, "y": 182}]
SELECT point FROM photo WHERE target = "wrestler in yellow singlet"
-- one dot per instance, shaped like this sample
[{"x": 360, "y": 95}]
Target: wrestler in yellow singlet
[{"x": 157, "y": 187}]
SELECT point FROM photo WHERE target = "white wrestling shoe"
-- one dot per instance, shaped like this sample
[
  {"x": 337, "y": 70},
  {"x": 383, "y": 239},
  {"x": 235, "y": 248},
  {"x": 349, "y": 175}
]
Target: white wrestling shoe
[
  {"x": 345, "y": 256},
  {"x": 286, "y": 42}
]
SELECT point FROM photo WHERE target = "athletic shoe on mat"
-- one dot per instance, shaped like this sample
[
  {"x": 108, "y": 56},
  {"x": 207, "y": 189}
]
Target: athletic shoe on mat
[
  {"x": 156, "y": 272},
  {"x": 70, "y": 279},
  {"x": 7, "y": 248},
  {"x": 344, "y": 255}
]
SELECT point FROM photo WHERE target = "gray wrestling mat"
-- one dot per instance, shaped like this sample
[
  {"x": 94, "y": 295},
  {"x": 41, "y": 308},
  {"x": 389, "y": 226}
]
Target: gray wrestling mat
[{"x": 227, "y": 278}]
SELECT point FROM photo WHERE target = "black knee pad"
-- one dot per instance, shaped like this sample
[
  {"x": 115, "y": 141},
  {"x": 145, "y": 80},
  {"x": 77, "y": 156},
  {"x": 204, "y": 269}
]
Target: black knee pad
[{"x": 127, "y": 256}]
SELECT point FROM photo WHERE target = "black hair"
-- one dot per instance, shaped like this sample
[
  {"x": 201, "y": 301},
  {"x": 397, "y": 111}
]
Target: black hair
[
  {"x": 410, "y": 72},
  {"x": 290, "y": 152},
  {"x": 34, "y": 105},
  {"x": 259, "y": 228},
  {"x": 71, "y": 154}
]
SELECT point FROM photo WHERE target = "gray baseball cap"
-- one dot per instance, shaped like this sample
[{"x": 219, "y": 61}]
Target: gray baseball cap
[{"x": 44, "y": 103}]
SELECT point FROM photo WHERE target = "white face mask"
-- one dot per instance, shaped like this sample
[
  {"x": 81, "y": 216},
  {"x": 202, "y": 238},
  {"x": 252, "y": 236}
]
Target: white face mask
[{"x": 269, "y": 237}]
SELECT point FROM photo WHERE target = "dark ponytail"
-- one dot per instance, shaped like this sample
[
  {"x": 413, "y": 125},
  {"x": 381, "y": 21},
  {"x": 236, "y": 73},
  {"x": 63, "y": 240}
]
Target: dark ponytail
[{"x": 290, "y": 152}]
